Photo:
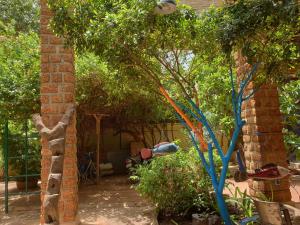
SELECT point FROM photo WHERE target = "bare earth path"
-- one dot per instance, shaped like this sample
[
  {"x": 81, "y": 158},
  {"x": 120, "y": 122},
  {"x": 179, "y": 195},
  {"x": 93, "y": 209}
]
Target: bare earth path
[{"x": 112, "y": 202}]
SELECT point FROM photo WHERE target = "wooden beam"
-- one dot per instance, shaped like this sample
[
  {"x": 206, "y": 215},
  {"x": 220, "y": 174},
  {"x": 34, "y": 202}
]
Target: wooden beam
[{"x": 98, "y": 118}]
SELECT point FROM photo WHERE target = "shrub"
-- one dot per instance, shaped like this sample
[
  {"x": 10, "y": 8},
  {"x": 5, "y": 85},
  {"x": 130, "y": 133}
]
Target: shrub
[{"x": 176, "y": 183}]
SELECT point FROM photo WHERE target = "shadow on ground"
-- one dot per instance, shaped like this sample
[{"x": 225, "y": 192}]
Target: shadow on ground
[{"x": 112, "y": 202}]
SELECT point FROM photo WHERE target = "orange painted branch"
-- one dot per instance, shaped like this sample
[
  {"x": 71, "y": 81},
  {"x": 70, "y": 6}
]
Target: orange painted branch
[
  {"x": 203, "y": 143},
  {"x": 200, "y": 126}
]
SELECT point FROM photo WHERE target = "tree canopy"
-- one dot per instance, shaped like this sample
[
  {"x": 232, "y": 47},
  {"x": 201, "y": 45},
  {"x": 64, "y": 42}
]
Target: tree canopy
[
  {"x": 23, "y": 15},
  {"x": 19, "y": 74}
]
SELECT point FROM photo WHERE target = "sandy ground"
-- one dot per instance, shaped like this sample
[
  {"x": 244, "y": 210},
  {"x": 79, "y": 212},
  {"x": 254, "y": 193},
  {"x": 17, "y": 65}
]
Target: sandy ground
[{"x": 112, "y": 202}]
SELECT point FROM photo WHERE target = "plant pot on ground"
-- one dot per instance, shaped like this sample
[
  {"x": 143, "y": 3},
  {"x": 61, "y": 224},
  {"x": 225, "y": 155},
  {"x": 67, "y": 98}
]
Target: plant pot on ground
[
  {"x": 21, "y": 165},
  {"x": 32, "y": 182},
  {"x": 18, "y": 168}
]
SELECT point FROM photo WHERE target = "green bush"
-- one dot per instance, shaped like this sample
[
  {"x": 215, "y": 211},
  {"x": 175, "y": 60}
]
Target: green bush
[
  {"x": 17, "y": 150},
  {"x": 177, "y": 184}
]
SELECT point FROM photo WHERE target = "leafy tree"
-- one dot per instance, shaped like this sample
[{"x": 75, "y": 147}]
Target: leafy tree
[
  {"x": 290, "y": 108},
  {"x": 165, "y": 50},
  {"x": 24, "y": 15},
  {"x": 265, "y": 31},
  {"x": 101, "y": 89},
  {"x": 19, "y": 74}
]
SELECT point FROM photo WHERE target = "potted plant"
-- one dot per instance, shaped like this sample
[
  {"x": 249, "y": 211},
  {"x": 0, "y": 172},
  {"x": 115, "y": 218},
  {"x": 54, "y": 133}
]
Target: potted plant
[{"x": 33, "y": 169}]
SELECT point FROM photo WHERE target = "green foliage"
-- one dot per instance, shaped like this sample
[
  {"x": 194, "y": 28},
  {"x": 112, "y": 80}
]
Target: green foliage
[
  {"x": 140, "y": 47},
  {"x": 241, "y": 201},
  {"x": 19, "y": 75},
  {"x": 290, "y": 108},
  {"x": 101, "y": 89},
  {"x": 17, "y": 150},
  {"x": 265, "y": 31},
  {"x": 215, "y": 94},
  {"x": 289, "y": 103},
  {"x": 24, "y": 15},
  {"x": 176, "y": 183}
]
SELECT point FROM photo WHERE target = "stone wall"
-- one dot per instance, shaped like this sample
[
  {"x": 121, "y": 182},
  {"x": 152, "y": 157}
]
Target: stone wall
[{"x": 57, "y": 93}]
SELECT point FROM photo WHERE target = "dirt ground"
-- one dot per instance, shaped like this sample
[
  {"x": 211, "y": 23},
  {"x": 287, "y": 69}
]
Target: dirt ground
[{"x": 112, "y": 202}]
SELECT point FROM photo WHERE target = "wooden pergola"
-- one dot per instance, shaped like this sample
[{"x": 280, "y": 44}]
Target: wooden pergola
[{"x": 98, "y": 117}]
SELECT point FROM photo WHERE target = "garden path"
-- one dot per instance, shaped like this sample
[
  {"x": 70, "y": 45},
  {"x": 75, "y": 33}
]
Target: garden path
[{"x": 112, "y": 202}]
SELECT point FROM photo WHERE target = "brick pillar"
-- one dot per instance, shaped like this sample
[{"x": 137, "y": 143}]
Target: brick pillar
[
  {"x": 57, "y": 93},
  {"x": 263, "y": 138}
]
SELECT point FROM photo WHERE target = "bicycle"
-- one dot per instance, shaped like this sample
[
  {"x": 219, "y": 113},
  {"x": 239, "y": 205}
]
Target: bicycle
[{"x": 86, "y": 168}]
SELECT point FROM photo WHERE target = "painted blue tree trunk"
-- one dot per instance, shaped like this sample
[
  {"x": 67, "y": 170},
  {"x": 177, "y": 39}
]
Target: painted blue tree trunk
[{"x": 195, "y": 112}]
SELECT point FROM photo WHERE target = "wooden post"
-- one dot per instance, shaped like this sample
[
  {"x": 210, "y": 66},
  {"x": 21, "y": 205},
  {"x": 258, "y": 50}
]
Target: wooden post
[
  {"x": 98, "y": 118},
  {"x": 98, "y": 124}
]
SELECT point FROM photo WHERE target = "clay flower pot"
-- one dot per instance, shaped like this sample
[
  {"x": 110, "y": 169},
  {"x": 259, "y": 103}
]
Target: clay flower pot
[{"x": 31, "y": 183}]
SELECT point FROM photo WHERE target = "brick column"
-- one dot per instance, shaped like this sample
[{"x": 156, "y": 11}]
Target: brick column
[
  {"x": 57, "y": 93},
  {"x": 263, "y": 138}
]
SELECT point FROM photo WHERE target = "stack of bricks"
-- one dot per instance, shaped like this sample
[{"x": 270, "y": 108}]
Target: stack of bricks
[
  {"x": 57, "y": 94},
  {"x": 263, "y": 138}
]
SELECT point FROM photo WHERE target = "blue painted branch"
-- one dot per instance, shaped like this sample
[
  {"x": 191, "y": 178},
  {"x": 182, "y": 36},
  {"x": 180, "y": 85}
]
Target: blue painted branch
[
  {"x": 200, "y": 153},
  {"x": 208, "y": 128},
  {"x": 245, "y": 82},
  {"x": 213, "y": 173},
  {"x": 250, "y": 95}
]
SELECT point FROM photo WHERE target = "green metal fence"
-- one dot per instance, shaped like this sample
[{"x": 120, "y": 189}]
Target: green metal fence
[{"x": 21, "y": 157}]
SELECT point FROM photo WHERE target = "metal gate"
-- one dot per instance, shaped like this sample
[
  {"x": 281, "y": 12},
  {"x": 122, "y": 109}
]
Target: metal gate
[{"x": 22, "y": 154}]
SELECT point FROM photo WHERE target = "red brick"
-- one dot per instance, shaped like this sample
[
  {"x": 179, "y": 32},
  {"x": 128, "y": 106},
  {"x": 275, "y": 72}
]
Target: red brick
[
  {"x": 49, "y": 109},
  {"x": 45, "y": 30},
  {"x": 45, "y": 78},
  {"x": 55, "y": 40},
  {"x": 69, "y": 88},
  {"x": 56, "y": 99},
  {"x": 69, "y": 98},
  {"x": 44, "y": 39},
  {"x": 45, "y": 68},
  {"x": 70, "y": 172},
  {"x": 64, "y": 50},
  {"x": 55, "y": 119},
  {"x": 45, "y": 58},
  {"x": 48, "y": 49},
  {"x": 69, "y": 182},
  {"x": 66, "y": 67},
  {"x": 58, "y": 67},
  {"x": 69, "y": 78},
  {"x": 49, "y": 88},
  {"x": 54, "y": 58},
  {"x": 70, "y": 139},
  {"x": 68, "y": 58},
  {"x": 44, "y": 20},
  {"x": 44, "y": 99},
  {"x": 56, "y": 77}
]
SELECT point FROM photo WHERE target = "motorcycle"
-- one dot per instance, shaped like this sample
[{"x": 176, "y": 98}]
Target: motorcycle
[{"x": 147, "y": 154}]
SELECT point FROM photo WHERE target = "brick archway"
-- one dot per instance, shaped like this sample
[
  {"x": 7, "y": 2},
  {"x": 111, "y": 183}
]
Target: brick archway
[{"x": 57, "y": 94}]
